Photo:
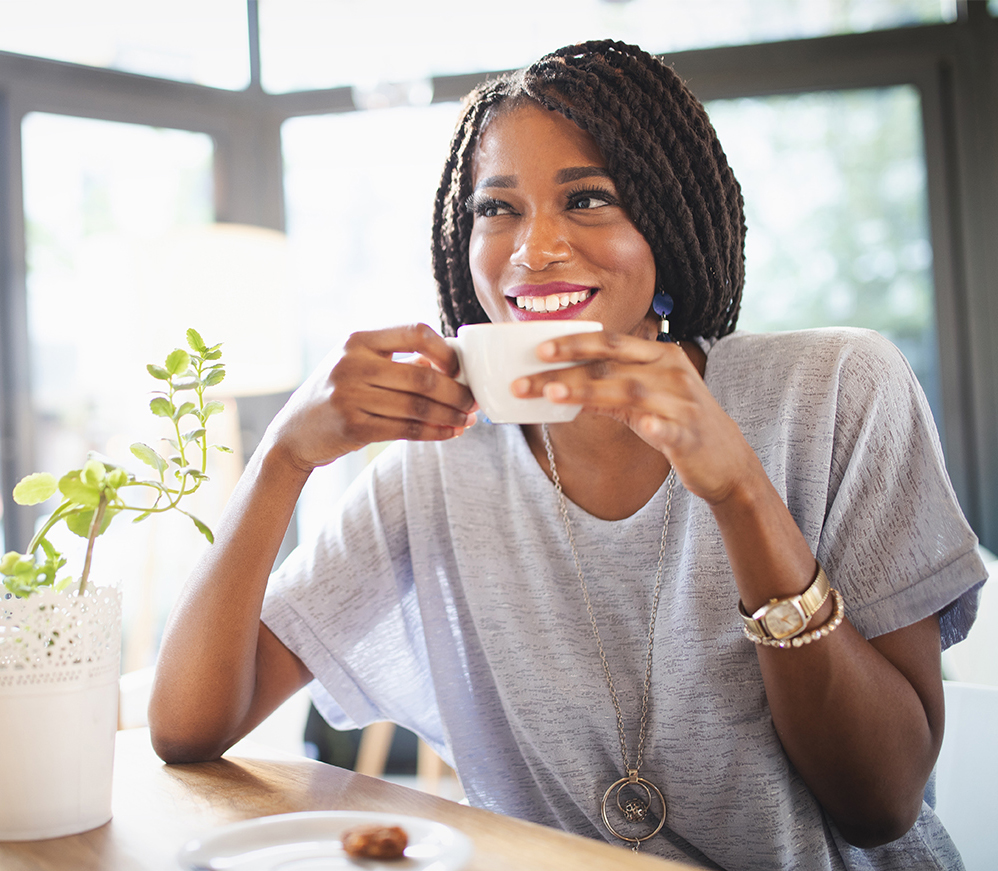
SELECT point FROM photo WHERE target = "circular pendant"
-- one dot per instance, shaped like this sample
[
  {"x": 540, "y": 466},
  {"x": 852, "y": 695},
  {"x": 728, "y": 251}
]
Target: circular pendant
[{"x": 635, "y": 806}]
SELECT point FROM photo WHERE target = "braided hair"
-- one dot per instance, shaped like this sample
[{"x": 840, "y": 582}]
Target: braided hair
[{"x": 662, "y": 154}]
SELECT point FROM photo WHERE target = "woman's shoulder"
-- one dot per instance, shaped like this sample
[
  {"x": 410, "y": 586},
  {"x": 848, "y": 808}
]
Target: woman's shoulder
[
  {"x": 823, "y": 341},
  {"x": 821, "y": 353}
]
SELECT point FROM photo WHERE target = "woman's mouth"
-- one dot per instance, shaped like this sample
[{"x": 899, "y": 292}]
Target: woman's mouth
[{"x": 554, "y": 302}]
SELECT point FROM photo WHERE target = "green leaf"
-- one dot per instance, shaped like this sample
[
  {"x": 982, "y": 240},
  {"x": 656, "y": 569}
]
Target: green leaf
[
  {"x": 213, "y": 355},
  {"x": 177, "y": 361},
  {"x": 149, "y": 456},
  {"x": 193, "y": 472},
  {"x": 93, "y": 473},
  {"x": 20, "y": 590},
  {"x": 185, "y": 408},
  {"x": 212, "y": 407},
  {"x": 32, "y": 489},
  {"x": 203, "y": 529},
  {"x": 142, "y": 517},
  {"x": 158, "y": 372},
  {"x": 79, "y": 491},
  {"x": 216, "y": 376},
  {"x": 9, "y": 561},
  {"x": 161, "y": 407},
  {"x": 26, "y": 566},
  {"x": 186, "y": 384},
  {"x": 193, "y": 434},
  {"x": 79, "y": 524},
  {"x": 195, "y": 341},
  {"x": 177, "y": 460},
  {"x": 222, "y": 448}
]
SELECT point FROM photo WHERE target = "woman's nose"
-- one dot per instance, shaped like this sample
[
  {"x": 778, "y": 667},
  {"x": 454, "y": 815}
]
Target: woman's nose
[{"x": 541, "y": 244}]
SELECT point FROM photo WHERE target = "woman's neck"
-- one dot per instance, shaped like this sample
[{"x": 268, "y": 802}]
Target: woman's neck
[{"x": 604, "y": 466}]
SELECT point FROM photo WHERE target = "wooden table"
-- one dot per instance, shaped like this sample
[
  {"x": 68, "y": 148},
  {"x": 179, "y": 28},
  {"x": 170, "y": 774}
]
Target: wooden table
[{"x": 158, "y": 808}]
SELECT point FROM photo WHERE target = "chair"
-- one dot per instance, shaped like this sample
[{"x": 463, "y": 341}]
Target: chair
[
  {"x": 967, "y": 773},
  {"x": 372, "y": 754}
]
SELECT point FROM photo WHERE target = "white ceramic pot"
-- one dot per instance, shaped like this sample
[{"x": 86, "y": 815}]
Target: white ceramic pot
[{"x": 59, "y": 663}]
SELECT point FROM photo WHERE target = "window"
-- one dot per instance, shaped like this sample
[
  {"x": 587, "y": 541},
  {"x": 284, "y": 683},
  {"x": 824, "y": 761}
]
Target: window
[
  {"x": 359, "y": 191},
  {"x": 200, "y": 41},
  {"x": 835, "y": 201},
  {"x": 97, "y": 194},
  {"x": 325, "y": 43}
]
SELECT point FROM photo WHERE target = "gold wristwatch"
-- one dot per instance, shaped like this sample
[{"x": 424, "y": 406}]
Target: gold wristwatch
[{"x": 787, "y": 618}]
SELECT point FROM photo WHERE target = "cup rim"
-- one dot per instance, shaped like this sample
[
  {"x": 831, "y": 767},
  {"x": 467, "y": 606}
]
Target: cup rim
[{"x": 584, "y": 326}]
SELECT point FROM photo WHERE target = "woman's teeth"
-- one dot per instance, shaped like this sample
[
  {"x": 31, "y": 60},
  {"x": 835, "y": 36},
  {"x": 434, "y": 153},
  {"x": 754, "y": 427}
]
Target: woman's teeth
[{"x": 553, "y": 303}]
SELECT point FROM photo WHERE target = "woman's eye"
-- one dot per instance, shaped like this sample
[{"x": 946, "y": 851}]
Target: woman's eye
[
  {"x": 590, "y": 200},
  {"x": 486, "y": 207}
]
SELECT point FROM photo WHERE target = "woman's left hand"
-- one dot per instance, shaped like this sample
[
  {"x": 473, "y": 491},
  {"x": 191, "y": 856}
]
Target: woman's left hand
[{"x": 656, "y": 390}]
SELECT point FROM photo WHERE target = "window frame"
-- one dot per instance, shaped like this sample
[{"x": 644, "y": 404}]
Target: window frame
[{"x": 952, "y": 66}]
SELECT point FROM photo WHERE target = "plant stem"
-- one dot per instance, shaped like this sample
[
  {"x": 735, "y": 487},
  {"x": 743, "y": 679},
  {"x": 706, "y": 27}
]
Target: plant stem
[
  {"x": 55, "y": 517},
  {"x": 95, "y": 526}
]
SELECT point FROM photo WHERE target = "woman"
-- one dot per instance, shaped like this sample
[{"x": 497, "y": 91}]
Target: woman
[{"x": 582, "y": 618}]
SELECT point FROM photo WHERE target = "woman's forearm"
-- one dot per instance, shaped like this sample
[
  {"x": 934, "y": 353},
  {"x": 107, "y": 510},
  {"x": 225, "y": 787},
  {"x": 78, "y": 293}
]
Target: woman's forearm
[
  {"x": 208, "y": 686},
  {"x": 860, "y": 720},
  {"x": 220, "y": 671}
]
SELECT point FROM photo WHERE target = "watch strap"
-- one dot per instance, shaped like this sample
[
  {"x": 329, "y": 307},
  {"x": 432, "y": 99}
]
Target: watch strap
[{"x": 807, "y": 603}]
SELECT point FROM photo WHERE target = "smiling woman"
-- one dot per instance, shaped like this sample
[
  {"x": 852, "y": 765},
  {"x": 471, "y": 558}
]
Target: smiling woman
[
  {"x": 559, "y": 216},
  {"x": 703, "y": 618}
]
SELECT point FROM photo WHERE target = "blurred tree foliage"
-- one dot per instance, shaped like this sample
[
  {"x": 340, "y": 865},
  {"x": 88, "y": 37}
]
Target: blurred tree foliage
[{"x": 837, "y": 214}]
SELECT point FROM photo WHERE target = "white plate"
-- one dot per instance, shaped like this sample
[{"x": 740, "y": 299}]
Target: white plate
[{"x": 311, "y": 841}]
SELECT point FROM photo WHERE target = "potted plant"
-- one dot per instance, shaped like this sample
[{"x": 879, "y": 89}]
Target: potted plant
[{"x": 60, "y": 633}]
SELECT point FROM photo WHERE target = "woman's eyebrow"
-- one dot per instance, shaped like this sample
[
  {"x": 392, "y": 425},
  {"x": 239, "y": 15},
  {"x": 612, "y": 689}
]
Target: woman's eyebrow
[
  {"x": 574, "y": 173},
  {"x": 497, "y": 181}
]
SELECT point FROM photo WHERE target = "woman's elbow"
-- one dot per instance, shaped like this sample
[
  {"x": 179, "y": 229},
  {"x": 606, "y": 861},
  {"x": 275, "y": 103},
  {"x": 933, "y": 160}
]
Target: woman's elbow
[
  {"x": 876, "y": 827},
  {"x": 182, "y": 739},
  {"x": 175, "y": 748}
]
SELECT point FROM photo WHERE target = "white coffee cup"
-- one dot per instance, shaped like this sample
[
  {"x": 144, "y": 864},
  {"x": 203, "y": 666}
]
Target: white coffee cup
[{"x": 492, "y": 356}]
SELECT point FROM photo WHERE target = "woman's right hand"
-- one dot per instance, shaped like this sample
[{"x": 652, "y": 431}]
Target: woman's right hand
[{"x": 366, "y": 396}]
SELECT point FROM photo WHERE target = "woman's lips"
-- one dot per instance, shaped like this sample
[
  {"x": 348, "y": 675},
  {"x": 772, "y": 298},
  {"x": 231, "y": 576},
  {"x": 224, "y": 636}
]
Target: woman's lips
[{"x": 554, "y": 299}]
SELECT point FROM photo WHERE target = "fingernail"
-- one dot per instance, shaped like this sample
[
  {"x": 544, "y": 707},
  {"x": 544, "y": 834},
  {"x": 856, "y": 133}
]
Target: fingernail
[
  {"x": 520, "y": 386},
  {"x": 555, "y": 390},
  {"x": 545, "y": 349},
  {"x": 470, "y": 420}
]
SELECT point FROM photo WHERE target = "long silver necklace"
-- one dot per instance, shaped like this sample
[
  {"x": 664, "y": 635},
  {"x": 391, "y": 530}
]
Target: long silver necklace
[{"x": 639, "y": 802}]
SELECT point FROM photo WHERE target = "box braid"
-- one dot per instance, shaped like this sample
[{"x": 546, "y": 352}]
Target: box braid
[{"x": 663, "y": 155}]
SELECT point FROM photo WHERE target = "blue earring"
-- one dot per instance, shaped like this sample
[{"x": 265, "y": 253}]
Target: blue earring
[{"x": 662, "y": 305}]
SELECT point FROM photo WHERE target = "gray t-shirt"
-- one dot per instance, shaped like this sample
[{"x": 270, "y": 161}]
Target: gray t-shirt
[{"x": 442, "y": 595}]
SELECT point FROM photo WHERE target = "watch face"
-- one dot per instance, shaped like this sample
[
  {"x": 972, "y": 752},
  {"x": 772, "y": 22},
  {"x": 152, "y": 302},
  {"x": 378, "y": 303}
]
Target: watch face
[{"x": 784, "y": 620}]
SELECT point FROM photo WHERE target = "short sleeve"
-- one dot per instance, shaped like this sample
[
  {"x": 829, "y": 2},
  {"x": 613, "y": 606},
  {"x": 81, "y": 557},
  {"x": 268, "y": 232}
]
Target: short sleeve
[
  {"x": 894, "y": 539},
  {"x": 345, "y": 604}
]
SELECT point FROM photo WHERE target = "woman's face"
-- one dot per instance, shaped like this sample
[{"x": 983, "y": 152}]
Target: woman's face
[{"x": 550, "y": 238}]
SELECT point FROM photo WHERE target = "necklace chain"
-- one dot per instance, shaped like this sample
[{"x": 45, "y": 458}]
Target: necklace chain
[{"x": 642, "y": 727}]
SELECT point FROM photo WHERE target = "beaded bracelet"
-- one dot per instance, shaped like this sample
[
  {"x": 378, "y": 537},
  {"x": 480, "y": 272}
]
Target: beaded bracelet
[{"x": 826, "y": 628}]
